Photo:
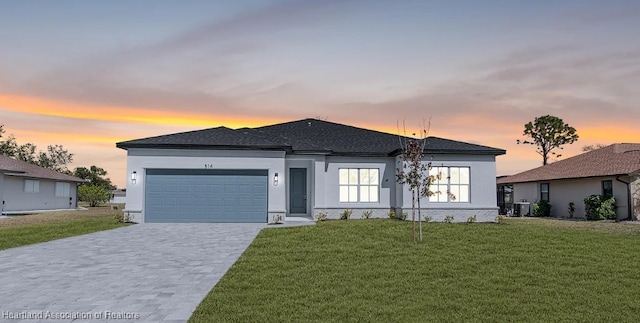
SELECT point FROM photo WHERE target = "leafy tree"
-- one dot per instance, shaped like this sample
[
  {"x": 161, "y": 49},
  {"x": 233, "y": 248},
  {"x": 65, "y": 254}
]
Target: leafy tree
[
  {"x": 95, "y": 175},
  {"x": 55, "y": 157},
  {"x": 548, "y": 133},
  {"x": 11, "y": 148},
  {"x": 93, "y": 194}
]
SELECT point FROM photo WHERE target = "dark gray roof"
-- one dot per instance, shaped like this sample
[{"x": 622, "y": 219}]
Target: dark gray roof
[
  {"x": 304, "y": 136},
  {"x": 207, "y": 138}
]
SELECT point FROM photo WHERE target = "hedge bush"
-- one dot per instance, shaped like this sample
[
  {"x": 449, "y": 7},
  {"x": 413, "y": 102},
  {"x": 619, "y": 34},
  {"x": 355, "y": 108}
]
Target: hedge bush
[
  {"x": 600, "y": 207},
  {"x": 542, "y": 208}
]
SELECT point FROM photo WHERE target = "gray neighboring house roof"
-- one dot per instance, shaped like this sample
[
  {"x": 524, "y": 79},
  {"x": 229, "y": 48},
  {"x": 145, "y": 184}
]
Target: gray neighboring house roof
[
  {"x": 307, "y": 136},
  {"x": 12, "y": 167}
]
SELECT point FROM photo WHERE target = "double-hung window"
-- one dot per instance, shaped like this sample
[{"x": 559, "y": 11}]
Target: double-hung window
[
  {"x": 544, "y": 192},
  {"x": 359, "y": 184},
  {"x": 31, "y": 185},
  {"x": 62, "y": 189},
  {"x": 607, "y": 188},
  {"x": 452, "y": 184}
]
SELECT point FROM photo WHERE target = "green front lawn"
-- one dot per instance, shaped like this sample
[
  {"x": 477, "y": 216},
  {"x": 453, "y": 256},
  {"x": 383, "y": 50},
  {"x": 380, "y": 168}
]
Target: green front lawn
[
  {"x": 369, "y": 270},
  {"x": 50, "y": 227}
]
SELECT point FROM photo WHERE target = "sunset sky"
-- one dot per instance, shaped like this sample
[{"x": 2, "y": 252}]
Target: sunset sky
[{"x": 87, "y": 74}]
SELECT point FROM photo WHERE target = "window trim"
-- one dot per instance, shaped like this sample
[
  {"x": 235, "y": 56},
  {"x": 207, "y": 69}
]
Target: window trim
[
  {"x": 448, "y": 185},
  {"x": 359, "y": 185},
  {"x": 548, "y": 192}
]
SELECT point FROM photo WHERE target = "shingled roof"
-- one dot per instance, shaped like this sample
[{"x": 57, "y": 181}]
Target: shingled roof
[
  {"x": 12, "y": 167},
  {"x": 613, "y": 160},
  {"x": 304, "y": 136}
]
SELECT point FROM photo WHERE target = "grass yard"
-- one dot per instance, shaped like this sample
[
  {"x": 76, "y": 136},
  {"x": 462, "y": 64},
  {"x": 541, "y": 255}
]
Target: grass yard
[
  {"x": 28, "y": 229},
  {"x": 369, "y": 270}
]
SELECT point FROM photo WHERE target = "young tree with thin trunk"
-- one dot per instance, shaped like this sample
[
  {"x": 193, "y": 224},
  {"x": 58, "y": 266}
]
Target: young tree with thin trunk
[{"x": 415, "y": 173}]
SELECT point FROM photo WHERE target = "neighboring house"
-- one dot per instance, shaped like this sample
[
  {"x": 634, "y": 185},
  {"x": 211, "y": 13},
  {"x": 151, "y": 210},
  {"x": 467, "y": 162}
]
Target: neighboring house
[
  {"x": 118, "y": 196},
  {"x": 27, "y": 187},
  {"x": 297, "y": 169},
  {"x": 611, "y": 170}
]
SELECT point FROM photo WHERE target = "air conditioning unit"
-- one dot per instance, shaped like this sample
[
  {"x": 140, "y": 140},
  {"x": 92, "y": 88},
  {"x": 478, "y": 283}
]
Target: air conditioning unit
[{"x": 521, "y": 209}]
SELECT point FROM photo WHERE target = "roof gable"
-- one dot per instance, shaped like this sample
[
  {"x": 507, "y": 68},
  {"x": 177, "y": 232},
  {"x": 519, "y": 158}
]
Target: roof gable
[
  {"x": 616, "y": 159},
  {"x": 13, "y": 167},
  {"x": 304, "y": 136}
]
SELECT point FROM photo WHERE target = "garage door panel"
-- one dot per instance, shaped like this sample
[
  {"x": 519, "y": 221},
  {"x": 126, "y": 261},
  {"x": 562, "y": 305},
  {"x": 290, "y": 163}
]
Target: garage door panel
[{"x": 205, "y": 196}]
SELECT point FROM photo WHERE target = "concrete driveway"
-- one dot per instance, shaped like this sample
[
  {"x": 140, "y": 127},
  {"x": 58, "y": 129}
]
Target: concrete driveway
[{"x": 140, "y": 273}]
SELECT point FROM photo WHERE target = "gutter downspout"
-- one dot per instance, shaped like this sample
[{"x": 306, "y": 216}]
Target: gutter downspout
[{"x": 629, "y": 206}]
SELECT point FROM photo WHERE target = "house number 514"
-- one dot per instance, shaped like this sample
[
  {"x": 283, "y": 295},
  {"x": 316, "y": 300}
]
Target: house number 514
[{"x": 208, "y": 166}]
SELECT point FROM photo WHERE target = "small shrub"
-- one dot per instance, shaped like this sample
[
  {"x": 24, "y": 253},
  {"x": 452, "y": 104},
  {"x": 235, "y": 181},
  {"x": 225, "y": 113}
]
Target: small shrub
[
  {"x": 121, "y": 217},
  {"x": 345, "y": 215},
  {"x": 366, "y": 214},
  {"x": 608, "y": 208},
  {"x": 471, "y": 219},
  {"x": 428, "y": 218},
  {"x": 541, "y": 208},
  {"x": 391, "y": 215},
  {"x": 321, "y": 216},
  {"x": 600, "y": 207},
  {"x": 571, "y": 209},
  {"x": 500, "y": 219},
  {"x": 404, "y": 216},
  {"x": 448, "y": 219}
]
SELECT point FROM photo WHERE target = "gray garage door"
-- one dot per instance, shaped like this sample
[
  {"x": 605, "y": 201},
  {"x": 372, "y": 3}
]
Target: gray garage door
[{"x": 181, "y": 195}]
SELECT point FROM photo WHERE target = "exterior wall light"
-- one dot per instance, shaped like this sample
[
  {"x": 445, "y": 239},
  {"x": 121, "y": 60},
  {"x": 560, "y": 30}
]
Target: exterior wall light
[
  {"x": 275, "y": 179},
  {"x": 134, "y": 177}
]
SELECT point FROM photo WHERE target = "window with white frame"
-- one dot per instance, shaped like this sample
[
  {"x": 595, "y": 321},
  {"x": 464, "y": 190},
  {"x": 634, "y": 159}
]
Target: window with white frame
[
  {"x": 452, "y": 184},
  {"x": 31, "y": 185},
  {"x": 62, "y": 189},
  {"x": 359, "y": 184}
]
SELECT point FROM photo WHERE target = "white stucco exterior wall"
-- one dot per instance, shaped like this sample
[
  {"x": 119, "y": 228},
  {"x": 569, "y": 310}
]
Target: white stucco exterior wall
[
  {"x": 139, "y": 160},
  {"x": 322, "y": 181},
  {"x": 482, "y": 199},
  {"x": 396, "y": 197},
  {"x": 327, "y": 192}
]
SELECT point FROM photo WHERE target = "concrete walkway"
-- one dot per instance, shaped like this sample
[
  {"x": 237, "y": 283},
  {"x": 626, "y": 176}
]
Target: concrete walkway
[{"x": 141, "y": 273}]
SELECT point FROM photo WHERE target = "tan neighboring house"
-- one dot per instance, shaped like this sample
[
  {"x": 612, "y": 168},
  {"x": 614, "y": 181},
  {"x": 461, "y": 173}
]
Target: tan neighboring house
[
  {"x": 27, "y": 187},
  {"x": 613, "y": 170}
]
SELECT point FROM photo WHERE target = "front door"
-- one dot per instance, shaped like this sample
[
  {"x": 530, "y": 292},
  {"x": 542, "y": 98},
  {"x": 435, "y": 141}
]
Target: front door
[{"x": 298, "y": 190}]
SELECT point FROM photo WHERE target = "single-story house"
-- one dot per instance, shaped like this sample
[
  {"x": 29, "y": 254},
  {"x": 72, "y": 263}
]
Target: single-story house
[
  {"x": 27, "y": 187},
  {"x": 297, "y": 169},
  {"x": 612, "y": 170},
  {"x": 118, "y": 196}
]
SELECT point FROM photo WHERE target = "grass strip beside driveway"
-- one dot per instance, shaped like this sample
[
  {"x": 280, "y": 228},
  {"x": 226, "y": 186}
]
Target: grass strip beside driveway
[
  {"x": 29, "y": 229},
  {"x": 369, "y": 270}
]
